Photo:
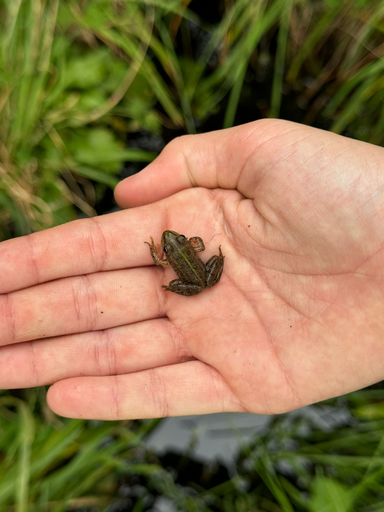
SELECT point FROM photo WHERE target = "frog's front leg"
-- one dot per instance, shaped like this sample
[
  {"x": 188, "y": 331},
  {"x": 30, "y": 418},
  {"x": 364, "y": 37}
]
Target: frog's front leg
[
  {"x": 183, "y": 287},
  {"x": 214, "y": 269},
  {"x": 197, "y": 243},
  {"x": 154, "y": 254}
]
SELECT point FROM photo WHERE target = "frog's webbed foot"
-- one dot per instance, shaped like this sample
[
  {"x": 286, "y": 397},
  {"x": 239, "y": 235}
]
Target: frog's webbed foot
[
  {"x": 183, "y": 288},
  {"x": 214, "y": 269},
  {"x": 155, "y": 257},
  {"x": 197, "y": 243}
]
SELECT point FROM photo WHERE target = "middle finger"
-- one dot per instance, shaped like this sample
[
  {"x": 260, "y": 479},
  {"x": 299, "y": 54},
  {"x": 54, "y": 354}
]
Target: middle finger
[{"x": 80, "y": 304}]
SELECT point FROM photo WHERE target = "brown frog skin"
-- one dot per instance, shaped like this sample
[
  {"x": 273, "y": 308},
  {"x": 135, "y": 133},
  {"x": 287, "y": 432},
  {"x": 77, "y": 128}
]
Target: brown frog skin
[{"x": 181, "y": 253}]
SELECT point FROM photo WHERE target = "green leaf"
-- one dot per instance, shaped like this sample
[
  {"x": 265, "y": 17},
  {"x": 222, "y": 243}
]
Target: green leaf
[
  {"x": 87, "y": 71},
  {"x": 329, "y": 495},
  {"x": 99, "y": 148},
  {"x": 370, "y": 411}
]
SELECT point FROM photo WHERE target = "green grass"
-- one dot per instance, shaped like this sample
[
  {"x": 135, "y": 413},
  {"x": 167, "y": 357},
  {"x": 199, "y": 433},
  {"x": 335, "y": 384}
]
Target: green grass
[
  {"x": 327, "y": 459},
  {"x": 57, "y": 465},
  {"x": 77, "y": 78},
  {"x": 330, "y": 458}
]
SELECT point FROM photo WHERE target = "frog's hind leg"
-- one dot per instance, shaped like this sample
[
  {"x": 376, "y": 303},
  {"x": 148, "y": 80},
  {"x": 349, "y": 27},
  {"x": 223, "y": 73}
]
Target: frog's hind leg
[
  {"x": 214, "y": 268},
  {"x": 183, "y": 288}
]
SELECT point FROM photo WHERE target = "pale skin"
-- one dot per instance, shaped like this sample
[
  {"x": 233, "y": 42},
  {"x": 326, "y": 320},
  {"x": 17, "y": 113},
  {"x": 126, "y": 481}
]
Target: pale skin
[{"x": 296, "y": 318}]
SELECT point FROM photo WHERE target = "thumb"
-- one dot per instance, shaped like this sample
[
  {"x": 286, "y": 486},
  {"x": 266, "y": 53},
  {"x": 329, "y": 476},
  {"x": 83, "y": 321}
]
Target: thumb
[{"x": 212, "y": 160}]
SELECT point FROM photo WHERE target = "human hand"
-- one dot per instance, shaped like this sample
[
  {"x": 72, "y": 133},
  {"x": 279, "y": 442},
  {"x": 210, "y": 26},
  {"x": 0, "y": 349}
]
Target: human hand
[{"x": 296, "y": 317}]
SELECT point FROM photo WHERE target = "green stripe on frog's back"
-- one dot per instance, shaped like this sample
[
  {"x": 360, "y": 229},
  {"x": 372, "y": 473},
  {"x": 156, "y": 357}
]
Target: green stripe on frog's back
[{"x": 189, "y": 263}]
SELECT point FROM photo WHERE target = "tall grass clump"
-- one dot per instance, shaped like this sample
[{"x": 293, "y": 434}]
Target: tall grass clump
[
  {"x": 77, "y": 78},
  {"x": 59, "y": 86},
  {"x": 328, "y": 457}
]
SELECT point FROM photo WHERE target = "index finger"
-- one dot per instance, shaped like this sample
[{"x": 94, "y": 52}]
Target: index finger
[
  {"x": 79, "y": 247},
  {"x": 109, "y": 242}
]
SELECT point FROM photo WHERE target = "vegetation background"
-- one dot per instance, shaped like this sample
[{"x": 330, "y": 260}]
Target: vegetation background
[{"x": 91, "y": 90}]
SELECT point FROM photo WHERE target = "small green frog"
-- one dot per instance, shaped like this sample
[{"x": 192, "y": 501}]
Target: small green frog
[{"x": 181, "y": 254}]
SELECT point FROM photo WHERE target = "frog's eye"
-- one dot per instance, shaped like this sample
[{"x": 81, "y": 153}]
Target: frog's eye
[
  {"x": 167, "y": 248},
  {"x": 181, "y": 239}
]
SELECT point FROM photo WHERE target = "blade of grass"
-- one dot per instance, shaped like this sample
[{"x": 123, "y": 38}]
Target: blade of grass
[
  {"x": 338, "y": 460},
  {"x": 234, "y": 97},
  {"x": 15, "y": 214},
  {"x": 378, "y": 129},
  {"x": 178, "y": 78},
  {"x": 314, "y": 38},
  {"x": 278, "y": 75},
  {"x": 18, "y": 485},
  {"x": 263, "y": 465},
  {"x": 134, "y": 68},
  {"x": 372, "y": 69},
  {"x": 221, "y": 34},
  {"x": 40, "y": 462},
  {"x": 370, "y": 22},
  {"x": 28, "y": 25},
  {"x": 266, "y": 471},
  {"x": 355, "y": 104},
  {"x": 26, "y": 433},
  {"x": 147, "y": 68},
  {"x": 8, "y": 35},
  {"x": 215, "y": 87},
  {"x": 38, "y": 83}
]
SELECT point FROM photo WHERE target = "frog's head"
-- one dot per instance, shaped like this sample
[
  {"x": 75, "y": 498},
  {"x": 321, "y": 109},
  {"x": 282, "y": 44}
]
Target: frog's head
[{"x": 171, "y": 238}]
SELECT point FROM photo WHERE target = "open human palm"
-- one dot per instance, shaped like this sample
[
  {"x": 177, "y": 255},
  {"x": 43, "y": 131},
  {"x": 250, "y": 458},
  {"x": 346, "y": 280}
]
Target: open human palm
[{"x": 297, "y": 314}]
